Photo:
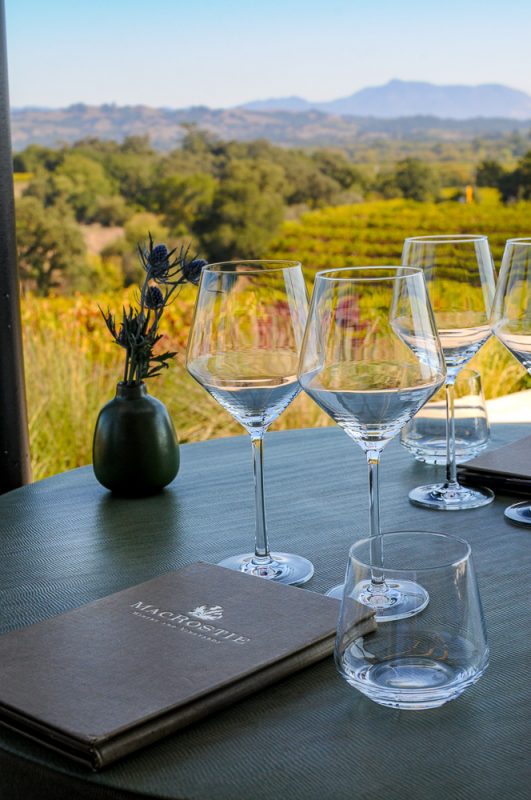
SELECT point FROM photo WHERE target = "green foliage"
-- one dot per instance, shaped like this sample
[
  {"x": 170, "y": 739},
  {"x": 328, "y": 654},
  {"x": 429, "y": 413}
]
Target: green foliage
[
  {"x": 374, "y": 232},
  {"x": 516, "y": 185},
  {"x": 98, "y": 273},
  {"x": 335, "y": 165},
  {"x": 416, "y": 180},
  {"x": 229, "y": 198},
  {"x": 183, "y": 200},
  {"x": 489, "y": 173},
  {"x": 51, "y": 248},
  {"x": 36, "y": 157},
  {"x": 246, "y": 211}
]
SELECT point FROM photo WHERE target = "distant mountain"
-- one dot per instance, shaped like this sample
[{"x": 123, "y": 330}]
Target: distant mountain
[
  {"x": 413, "y": 98},
  {"x": 295, "y": 104},
  {"x": 311, "y": 128}
]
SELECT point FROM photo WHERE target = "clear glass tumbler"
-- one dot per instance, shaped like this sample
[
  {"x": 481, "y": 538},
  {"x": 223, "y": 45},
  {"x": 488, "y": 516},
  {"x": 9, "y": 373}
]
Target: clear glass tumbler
[
  {"x": 425, "y": 435},
  {"x": 425, "y": 660}
]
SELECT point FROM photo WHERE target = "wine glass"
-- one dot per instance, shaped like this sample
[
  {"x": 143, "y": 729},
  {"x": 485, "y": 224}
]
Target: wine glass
[
  {"x": 511, "y": 323},
  {"x": 371, "y": 358},
  {"x": 243, "y": 349},
  {"x": 459, "y": 274}
]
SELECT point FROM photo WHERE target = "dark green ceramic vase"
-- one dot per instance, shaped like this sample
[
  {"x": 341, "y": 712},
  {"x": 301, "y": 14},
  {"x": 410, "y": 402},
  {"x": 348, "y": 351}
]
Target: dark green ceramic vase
[{"x": 135, "y": 450}]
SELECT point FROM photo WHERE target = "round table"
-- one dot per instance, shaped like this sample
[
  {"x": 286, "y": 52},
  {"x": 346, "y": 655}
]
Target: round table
[{"x": 66, "y": 541}]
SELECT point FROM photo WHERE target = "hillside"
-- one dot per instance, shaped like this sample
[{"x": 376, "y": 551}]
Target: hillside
[
  {"x": 374, "y": 232},
  {"x": 51, "y": 127}
]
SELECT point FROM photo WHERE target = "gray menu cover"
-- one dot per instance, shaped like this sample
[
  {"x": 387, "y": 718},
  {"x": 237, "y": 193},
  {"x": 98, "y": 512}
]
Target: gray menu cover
[
  {"x": 110, "y": 677},
  {"x": 507, "y": 469}
]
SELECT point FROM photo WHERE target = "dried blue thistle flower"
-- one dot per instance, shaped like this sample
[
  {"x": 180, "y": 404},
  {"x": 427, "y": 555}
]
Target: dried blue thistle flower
[
  {"x": 191, "y": 270},
  {"x": 159, "y": 262},
  {"x": 154, "y": 298},
  {"x": 138, "y": 331}
]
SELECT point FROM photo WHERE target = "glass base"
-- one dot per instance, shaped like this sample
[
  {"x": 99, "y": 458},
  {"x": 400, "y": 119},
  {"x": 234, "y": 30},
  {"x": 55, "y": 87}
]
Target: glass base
[
  {"x": 519, "y": 513},
  {"x": 401, "y": 599},
  {"x": 279, "y": 567},
  {"x": 413, "y": 683},
  {"x": 442, "y": 497}
]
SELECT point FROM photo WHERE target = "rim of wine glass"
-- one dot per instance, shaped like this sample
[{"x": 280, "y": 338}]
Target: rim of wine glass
[
  {"x": 413, "y": 569},
  {"x": 335, "y": 274},
  {"x": 448, "y": 238},
  {"x": 277, "y": 265},
  {"x": 522, "y": 240}
]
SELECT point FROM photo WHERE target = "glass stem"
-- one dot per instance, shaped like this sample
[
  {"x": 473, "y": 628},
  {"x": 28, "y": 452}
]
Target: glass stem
[
  {"x": 451, "y": 466},
  {"x": 376, "y": 554},
  {"x": 261, "y": 548}
]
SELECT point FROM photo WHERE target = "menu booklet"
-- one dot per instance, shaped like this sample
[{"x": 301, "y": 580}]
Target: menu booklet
[
  {"x": 506, "y": 470},
  {"x": 110, "y": 677}
]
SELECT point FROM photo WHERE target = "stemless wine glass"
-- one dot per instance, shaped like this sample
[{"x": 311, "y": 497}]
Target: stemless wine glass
[
  {"x": 422, "y": 661},
  {"x": 459, "y": 274},
  {"x": 511, "y": 323},
  {"x": 425, "y": 435},
  {"x": 371, "y": 358},
  {"x": 243, "y": 349}
]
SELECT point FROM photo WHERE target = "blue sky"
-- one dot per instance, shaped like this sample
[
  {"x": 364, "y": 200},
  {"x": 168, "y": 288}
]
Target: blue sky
[{"x": 224, "y": 52}]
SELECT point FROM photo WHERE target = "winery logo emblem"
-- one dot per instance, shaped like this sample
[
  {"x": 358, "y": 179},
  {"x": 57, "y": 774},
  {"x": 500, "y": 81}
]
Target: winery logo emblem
[
  {"x": 206, "y": 612},
  {"x": 202, "y": 622}
]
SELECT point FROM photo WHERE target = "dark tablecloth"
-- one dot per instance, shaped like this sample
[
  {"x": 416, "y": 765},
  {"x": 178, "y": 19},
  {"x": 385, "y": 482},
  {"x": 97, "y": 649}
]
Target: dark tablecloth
[{"x": 65, "y": 541}]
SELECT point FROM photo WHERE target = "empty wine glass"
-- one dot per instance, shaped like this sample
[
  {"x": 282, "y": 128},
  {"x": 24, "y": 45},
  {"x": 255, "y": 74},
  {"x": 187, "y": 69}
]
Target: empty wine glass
[
  {"x": 243, "y": 349},
  {"x": 371, "y": 358},
  {"x": 459, "y": 274},
  {"x": 511, "y": 323}
]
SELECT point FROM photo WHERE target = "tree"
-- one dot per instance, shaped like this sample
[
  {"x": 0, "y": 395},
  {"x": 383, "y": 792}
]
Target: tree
[
  {"x": 516, "y": 185},
  {"x": 416, "y": 180},
  {"x": 246, "y": 212},
  {"x": 489, "y": 173},
  {"x": 183, "y": 199},
  {"x": 334, "y": 164},
  {"x": 36, "y": 157},
  {"x": 79, "y": 183},
  {"x": 133, "y": 173},
  {"x": 51, "y": 248}
]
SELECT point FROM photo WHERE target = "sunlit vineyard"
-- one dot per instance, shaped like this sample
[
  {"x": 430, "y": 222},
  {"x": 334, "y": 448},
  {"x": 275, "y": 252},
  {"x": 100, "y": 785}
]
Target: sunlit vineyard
[
  {"x": 373, "y": 233},
  {"x": 72, "y": 366}
]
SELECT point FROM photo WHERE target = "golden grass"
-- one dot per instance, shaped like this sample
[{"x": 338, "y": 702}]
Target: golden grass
[{"x": 72, "y": 369}]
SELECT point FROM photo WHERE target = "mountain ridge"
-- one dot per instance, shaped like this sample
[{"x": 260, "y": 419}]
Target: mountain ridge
[
  {"x": 399, "y": 98},
  {"x": 166, "y": 127}
]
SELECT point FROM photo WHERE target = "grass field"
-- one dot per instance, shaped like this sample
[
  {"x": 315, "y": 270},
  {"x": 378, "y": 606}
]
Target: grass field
[{"x": 72, "y": 366}]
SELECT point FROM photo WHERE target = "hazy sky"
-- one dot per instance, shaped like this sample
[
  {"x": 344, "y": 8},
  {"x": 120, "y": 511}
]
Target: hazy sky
[{"x": 224, "y": 52}]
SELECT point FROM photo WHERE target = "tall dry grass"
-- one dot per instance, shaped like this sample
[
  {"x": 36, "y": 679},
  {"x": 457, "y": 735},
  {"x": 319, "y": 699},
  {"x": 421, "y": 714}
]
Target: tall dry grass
[{"x": 72, "y": 368}]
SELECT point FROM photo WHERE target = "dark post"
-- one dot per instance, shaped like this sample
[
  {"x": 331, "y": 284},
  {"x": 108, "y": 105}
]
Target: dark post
[{"x": 14, "y": 444}]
